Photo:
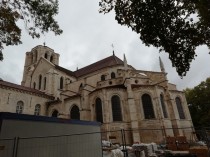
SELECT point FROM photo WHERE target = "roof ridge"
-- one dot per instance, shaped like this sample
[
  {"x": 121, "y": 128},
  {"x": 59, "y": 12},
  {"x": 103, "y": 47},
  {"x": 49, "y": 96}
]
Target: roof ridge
[
  {"x": 108, "y": 61},
  {"x": 67, "y": 71},
  {"x": 115, "y": 58},
  {"x": 24, "y": 88}
]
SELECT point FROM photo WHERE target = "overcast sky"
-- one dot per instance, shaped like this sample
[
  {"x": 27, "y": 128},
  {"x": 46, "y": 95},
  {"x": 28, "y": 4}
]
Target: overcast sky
[{"x": 87, "y": 37}]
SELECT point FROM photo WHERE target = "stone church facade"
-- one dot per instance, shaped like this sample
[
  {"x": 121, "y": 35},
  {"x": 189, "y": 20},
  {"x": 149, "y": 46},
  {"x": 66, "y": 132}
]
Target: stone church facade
[{"x": 109, "y": 91}]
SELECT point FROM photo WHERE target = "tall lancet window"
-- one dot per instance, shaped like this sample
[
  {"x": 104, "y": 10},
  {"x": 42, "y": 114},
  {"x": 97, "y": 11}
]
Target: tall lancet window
[
  {"x": 98, "y": 110},
  {"x": 180, "y": 108},
  {"x": 45, "y": 82},
  {"x": 148, "y": 107},
  {"x": 61, "y": 83},
  {"x": 45, "y": 55},
  {"x": 116, "y": 108},
  {"x": 40, "y": 82},
  {"x": 34, "y": 85},
  {"x": 51, "y": 59},
  {"x": 35, "y": 56}
]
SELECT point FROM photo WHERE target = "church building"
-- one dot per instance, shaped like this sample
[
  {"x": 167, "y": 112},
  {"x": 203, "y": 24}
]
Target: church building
[{"x": 109, "y": 91}]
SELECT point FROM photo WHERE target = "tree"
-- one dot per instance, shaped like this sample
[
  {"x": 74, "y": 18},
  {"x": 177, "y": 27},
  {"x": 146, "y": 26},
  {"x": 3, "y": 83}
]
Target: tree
[
  {"x": 37, "y": 15},
  {"x": 174, "y": 26},
  {"x": 198, "y": 99}
]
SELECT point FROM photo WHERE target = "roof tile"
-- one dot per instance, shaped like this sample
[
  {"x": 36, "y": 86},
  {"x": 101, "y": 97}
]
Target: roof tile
[
  {"x": 23, "y": 88},
  {"x": 109, "y": 61}
]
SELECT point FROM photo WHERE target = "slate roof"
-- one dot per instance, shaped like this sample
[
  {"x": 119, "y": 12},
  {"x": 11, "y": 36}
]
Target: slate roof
[{"x": 23, "y": 88}]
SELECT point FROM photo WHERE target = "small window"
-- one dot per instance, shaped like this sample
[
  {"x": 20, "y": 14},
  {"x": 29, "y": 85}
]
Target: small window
[
  {"x": 19, "y": 107},
  {"x": 61, "y": 83},
  {"x": 180, "y": 108},
  {"x": 74, "y": 113},
  {"x": 40, "y": 81},
  {"x": 113, "y": 75},
  {"x": 37, "y": 110},
  {"x": 103, "y": 77},
  {"x": 147, "y": 107},
  {"x": 55, "y": 113}
]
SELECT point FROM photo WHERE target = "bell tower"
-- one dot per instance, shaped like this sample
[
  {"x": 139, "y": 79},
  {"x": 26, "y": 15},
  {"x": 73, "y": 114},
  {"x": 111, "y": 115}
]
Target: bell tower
[{"x": 33, "y": 57}]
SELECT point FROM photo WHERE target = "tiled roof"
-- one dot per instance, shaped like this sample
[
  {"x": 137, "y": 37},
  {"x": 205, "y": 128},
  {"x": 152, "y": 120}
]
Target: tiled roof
[
  {"x": 68, "y": 72},
  {"x": 23, "y": 88},
  {"x": 106, "y": 62},
  {"x": 109, "y": 61}
]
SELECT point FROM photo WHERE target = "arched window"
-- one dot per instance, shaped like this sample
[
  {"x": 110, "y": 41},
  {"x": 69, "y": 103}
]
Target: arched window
[
  {"x": 40, "y": 81},
  {"x": 116, "y": 108},
  {"x": 61, "y": 83},
  {"x": 45, "y": 81},
  {"x": 34, "y": 85},
  {"x": 19, "y": 107},
  {"x": 113, "y": 75},
  {"x": 32, "y": 58},
  {"x": 98, "y": 110},
  {"x": 147, "y": 107},
  {"x": 163, "y": 106},
  {"x": 51, "y": 58},
  {"x": 74, "y": 113},
  {"x": 45, "y": 55},
  {"x": 36, "y": 55},
  {"x": 103, "y": 77},
  {"x": 55, "y": 113},
  {"x": 180, "y": 108},
  {"x": 80, "y": 87},
  {"x": 37, "y": 109}
]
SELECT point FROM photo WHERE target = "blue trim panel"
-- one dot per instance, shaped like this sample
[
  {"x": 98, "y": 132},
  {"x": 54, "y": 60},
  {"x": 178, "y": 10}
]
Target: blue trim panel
[{"x": 15, "y": 116}]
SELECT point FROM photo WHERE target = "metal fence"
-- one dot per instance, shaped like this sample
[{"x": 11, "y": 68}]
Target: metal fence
[
  {"x": 78, "y": 145},
  {"x": 89, "y": 144}
]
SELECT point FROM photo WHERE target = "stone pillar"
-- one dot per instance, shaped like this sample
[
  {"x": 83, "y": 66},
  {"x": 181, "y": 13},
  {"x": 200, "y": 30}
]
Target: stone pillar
[
  {"x": 55, "y": 83},
  {"x": 173, "y": 116},
  {"x": 133, "y": 113},
  {"x": 107, "y": 116},
  {"x": 63, "y": 113},
  {"x": 85, "y": 113},
  {"x": 159, "y": 112},
  {"x": 49, "y": 83}
]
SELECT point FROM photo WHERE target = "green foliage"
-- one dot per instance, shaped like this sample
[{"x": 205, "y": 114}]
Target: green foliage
[
  {"x": 37, "y": 15},
  {"x": 174, "y": 26},
  {"x": 198, "y": 99}
]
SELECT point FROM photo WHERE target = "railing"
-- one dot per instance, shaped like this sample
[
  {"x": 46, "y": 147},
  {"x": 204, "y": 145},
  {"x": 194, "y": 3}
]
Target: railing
[{"x": 89, "y": 144}]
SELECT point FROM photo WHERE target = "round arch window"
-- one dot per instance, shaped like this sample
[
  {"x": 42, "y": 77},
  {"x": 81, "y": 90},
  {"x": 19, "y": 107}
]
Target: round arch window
[{"x": 55, "y": 113}]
